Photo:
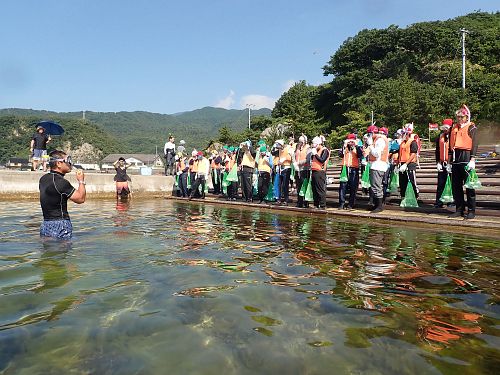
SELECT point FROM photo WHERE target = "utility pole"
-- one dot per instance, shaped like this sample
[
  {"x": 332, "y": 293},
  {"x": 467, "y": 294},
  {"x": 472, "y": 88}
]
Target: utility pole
[
  {"x": 249, "y": 106},
  {"x": 463, "y": 31},
  {"x": 372, "y": 118},
  {"x": 83, "y": 115}
]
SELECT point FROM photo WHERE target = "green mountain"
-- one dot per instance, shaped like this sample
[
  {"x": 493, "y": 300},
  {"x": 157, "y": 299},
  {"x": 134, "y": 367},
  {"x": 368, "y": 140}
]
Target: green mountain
[
  {"x": 127, "y": 132},
  {"x": 16, "y": 132}
]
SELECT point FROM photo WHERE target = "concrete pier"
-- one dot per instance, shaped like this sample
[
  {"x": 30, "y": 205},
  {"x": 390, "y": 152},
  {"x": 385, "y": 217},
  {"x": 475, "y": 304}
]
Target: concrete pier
[{"x": 24, "y": 184}]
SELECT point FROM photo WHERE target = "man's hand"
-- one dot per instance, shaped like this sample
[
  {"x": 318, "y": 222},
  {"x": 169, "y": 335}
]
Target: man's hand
[
  {"x": 80, "y": 175},
  {"x": 403, "y": 168},
  {"x": 314, "y": 151},
  {"x": 439, "y": 167}
]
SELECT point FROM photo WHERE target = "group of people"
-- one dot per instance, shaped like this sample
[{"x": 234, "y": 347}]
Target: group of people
[
  {"x": 271, "y": 173},
  {"x": 268, "y": 172},
  {"x": 263, "y": 172}
]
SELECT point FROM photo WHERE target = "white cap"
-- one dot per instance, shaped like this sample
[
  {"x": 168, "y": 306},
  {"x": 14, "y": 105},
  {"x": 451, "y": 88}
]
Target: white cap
[
  {"x": 409, "y": 127},
  {"x": 280, "y": 142},
  {"x": 317, "y": 141},
  {"x": 303, "y": 139},
  {"x": 194, "y": 152},
  {"x": 182, "y": 142}
]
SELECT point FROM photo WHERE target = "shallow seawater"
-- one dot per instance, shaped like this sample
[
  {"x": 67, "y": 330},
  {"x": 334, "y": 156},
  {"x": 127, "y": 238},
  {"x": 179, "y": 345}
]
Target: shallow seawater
[{"x": 163, "y": 287}]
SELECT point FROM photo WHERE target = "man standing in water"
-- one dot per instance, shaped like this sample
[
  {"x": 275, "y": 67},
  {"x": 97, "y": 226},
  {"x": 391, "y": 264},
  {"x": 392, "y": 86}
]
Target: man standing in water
[{"x": 54, "y": 194}]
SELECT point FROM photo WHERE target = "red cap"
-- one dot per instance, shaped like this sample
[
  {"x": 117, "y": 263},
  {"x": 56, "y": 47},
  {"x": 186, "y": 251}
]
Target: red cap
[
  {"x": 372, "y": 129},
  {"x": 199, "y": 153},
  {"x": 351, "y": 136},
  {"x": 448, "y": 121},
  {"x": 384, "y": 130}
]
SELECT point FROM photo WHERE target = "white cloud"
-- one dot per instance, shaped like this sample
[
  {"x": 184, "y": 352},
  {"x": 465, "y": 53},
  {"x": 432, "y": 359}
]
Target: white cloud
[
  {"x": 288, "y": 84},
  {"x": 227, "y": 102},
  {"x": 258, "y": 101}
]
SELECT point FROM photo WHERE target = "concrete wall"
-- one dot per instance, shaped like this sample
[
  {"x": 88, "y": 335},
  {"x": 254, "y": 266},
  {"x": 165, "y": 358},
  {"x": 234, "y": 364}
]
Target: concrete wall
[{"x": 25, "y": 183}]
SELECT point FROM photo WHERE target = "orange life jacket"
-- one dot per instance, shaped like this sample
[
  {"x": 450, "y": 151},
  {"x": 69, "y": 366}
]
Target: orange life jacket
[
  {"x": 444, "y": 148},
  {"x": 460, "y": 138},
  {"x": 194, "y": 166},
  {"x": 316, "y": 165},
  {"x": 285, "y": 155},
  {"x": 181, "y": 165},
  {"x": 404, "y": 149},
  {"x": 301, "y": 154},
  {"x": 351, "y": 158},
  {"x": 263, "y": 165},
  {"x": 385, "y": 152}
]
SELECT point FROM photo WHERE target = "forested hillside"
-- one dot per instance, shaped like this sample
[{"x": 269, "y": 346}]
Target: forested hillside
[
  {"x": 403, "y": 75},
  {"x": 128, "y": 132},
  {"x": 16, "y": 133}
]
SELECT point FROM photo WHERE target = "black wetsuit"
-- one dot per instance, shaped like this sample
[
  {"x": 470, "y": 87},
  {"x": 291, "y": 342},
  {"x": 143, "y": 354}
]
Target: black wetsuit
[{"x": 54, "y": 194}]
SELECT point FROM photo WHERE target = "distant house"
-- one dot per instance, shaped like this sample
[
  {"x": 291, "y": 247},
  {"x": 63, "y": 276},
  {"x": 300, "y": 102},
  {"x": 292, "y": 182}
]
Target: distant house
[
  {"x": 18, "y": 163},
  {"x": 136, "y": 161}
]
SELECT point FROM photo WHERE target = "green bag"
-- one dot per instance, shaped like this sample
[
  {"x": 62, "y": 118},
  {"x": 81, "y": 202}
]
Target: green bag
[
  {"x": 394, "y": 185},
  {"x": 270, "y": 193},
  {"x": 409, "y": 200},
  {"x": 233, "y": 174},
  {"x": 343, "y": 174},
  {"x": 365, "y": 178},
  {"x": 177, "y": 181},
  {"x": 472, "y": 180},
  {"x": 447, "y": 196},
  {"x": 303, "y": 188},
  {"x": 308, "y": 196},
  {"x": 189, "y": 180}
]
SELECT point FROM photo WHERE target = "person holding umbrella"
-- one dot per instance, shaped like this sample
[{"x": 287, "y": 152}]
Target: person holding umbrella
[{"x": 38, "y": 147}]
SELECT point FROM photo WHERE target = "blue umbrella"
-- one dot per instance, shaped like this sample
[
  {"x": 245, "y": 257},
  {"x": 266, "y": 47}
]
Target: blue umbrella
[{"x": 51, "y": 127}]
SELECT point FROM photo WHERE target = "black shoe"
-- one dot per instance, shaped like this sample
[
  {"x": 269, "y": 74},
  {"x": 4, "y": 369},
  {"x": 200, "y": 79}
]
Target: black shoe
[
  {"x": 470, "y": 215},
  {"x": 341, "y": 207},
  {"x": 456, "y": 214},
  {"x": 349, "y": 208},
  {"x": 438, "y": 205}
]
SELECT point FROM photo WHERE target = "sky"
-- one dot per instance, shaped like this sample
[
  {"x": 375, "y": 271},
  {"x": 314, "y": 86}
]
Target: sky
[{"x": 170, "y": 56}]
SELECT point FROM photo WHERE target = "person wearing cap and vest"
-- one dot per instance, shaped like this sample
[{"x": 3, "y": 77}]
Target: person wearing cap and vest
[
  {"x": 216, "y": 169},
  {"x": 387, "y": 175},
  {"x": 202, "y": 172},
  {"x": 246, "y": 164},
  {"x": 182, "y": 169},
  {"x": 232, "y": 188},
  {"x": 351, "y": 154},
  {"x": 319, "y": 163},
  {"x": 442, "y": 158},
  {"x": 302, "y": 165},
  {"x": 275, "y": 153},
  {"x": 463, "y": 149},
  {"x": 377, "y": 153},
  {"x": 285, "y": 167},
  {"x": 193, "y": 168},
  {"x": 370, "y": 131},
  {"x": 264, "y": 167},
  {"x": 408, "y": 158}
]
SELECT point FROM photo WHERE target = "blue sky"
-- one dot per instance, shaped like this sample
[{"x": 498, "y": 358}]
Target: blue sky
[{"x": 173, "y": 56}]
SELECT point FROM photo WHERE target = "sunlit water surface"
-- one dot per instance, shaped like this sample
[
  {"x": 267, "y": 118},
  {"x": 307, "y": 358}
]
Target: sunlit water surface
[{"x": 159, "y": 287}]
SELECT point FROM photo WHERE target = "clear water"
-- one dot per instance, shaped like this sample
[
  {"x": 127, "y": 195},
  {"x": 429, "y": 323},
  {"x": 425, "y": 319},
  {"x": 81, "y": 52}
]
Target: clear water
[{"x": 161, "y": 287}]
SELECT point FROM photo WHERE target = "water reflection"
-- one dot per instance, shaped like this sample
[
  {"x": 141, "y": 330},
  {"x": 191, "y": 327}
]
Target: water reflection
[{"x": 245, "y": 291}]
